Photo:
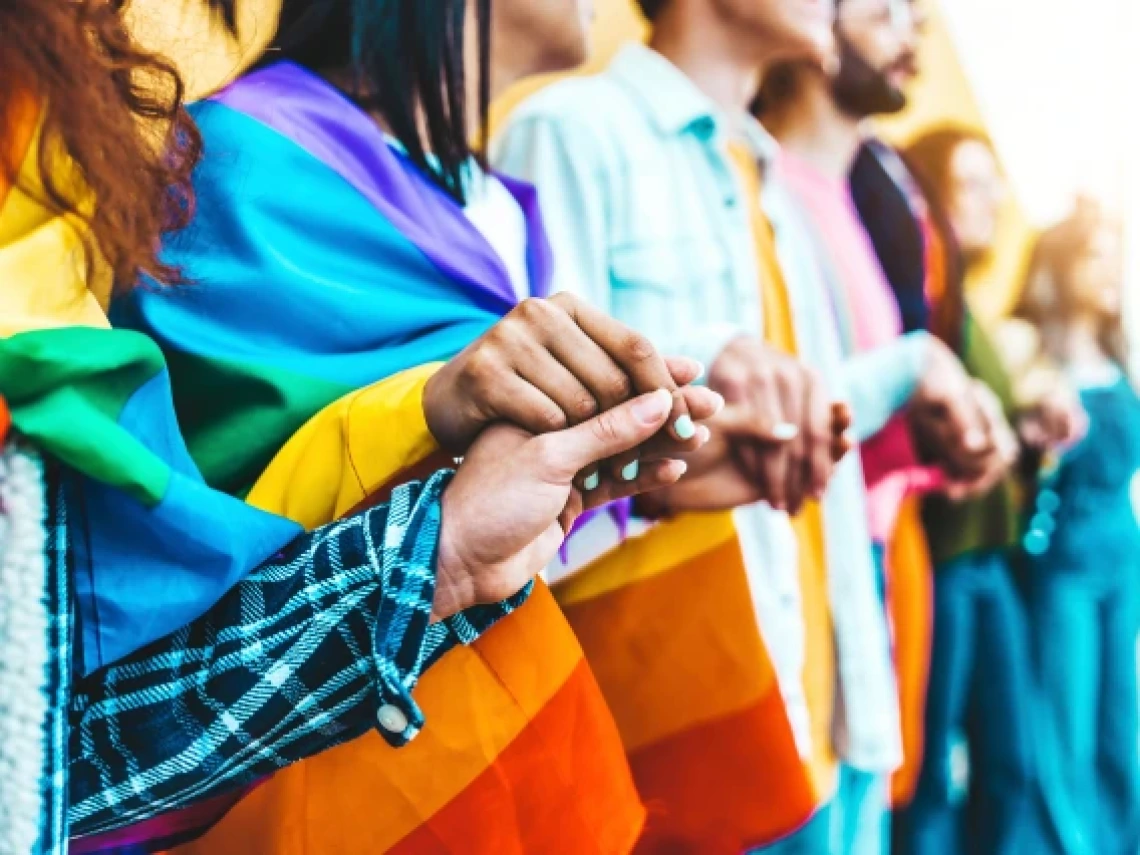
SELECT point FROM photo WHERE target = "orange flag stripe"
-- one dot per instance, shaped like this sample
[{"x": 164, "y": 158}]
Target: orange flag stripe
[
  {"x": 609, "y": 821},
  {"x": 910, "y": 602},
  {"x": 731, "y": 802},
  {"x": 367, "y": 797},
  {"x": 651, "y": 641}
]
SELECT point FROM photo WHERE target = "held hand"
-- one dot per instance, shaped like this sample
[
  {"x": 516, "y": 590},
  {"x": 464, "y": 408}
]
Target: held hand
[
  {"x": 1056, "y": 422},
  {"x": 555, "y": 363},
  {"x": 513, "y": 499},
  {"x": 717, "y": 481},
  {"x": 781, "y": 421},
  {"x": 990, "y": 468},
  {"x": 949, "y": 425}
]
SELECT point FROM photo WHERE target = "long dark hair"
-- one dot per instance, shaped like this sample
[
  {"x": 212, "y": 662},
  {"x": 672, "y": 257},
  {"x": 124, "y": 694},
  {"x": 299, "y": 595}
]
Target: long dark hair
[
  {"x": 1048, "y": 294},
  {"x": 929, "y": 158},
  {"x": 116, "y": 148},
  {"x": 404, "y": 60}
]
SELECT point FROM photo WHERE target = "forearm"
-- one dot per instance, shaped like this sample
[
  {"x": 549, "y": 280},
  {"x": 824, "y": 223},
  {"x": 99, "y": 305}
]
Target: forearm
[
  {"x": 323, "y": 642},
  {"x": 881, "y": 382}
]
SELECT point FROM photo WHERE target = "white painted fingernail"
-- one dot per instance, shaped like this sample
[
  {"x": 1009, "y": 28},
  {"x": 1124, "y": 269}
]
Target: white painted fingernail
[{"x": 785, "y": 431}]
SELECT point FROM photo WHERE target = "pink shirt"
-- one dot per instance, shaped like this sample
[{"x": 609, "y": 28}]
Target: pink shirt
[{"x": 871, "y": 316}]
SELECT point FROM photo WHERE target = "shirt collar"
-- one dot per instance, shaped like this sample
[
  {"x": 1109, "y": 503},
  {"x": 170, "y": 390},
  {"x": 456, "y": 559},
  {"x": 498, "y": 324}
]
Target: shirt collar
[{"x": 675, "y": 105}]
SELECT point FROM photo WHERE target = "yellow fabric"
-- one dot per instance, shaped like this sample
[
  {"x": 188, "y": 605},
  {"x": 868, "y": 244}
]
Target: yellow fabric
[
  {"x": 672, "y": 544},
  {"x": 348, "y": 451},
  {"x": 43, "y": 269},
  {"x": 819, "y": 650}
]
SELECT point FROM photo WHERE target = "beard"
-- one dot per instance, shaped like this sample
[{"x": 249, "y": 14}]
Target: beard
[{"x": 860, "y": 89}]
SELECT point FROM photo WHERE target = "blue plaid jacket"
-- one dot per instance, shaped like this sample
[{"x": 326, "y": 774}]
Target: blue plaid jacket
[{"x": 324, "y": 641}]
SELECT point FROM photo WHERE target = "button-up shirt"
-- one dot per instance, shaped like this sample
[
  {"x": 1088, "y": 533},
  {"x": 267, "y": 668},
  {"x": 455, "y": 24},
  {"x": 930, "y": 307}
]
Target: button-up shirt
[
  {"x": 650, "y": 220},
  {"x": 642, "y": 205}
]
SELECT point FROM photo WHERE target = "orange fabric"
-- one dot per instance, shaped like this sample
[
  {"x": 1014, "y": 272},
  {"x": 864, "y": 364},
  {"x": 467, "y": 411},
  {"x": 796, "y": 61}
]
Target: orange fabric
[
  {"x": 668, "y": 625},
  {"x": 480, "y": 702},
  {"x": 13, "y": 151},
  {"x": 819, "y": 654},
  {"x": 910, "y": 604},
  {"x": 665, "y": 636},
  {"x": 734, "y": 804},
  {"x": 540, "y": 824}
]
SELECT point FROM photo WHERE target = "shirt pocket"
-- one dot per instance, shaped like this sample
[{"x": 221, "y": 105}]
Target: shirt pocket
[{"x": 686, "y": 279}]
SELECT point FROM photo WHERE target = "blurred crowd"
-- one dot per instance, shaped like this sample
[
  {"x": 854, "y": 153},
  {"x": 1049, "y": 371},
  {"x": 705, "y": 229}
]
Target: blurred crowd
[{"x": 630, "y": 476}]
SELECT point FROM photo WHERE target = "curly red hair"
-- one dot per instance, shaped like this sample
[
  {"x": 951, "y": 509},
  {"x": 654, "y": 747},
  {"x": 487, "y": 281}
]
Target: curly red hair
[{"x": 117, "y": 148}]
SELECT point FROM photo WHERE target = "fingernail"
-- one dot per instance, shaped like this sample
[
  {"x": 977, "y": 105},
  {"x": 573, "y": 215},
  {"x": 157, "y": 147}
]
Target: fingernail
[
  {"x": 629, "y": 473},
  {"x": 685, "y": 428},
  {"x": 785, "y": 431},
  {"x": 700, "y": 371},
  {"x": 651, "y": 408},
  {"x": 593, "y": 480}
]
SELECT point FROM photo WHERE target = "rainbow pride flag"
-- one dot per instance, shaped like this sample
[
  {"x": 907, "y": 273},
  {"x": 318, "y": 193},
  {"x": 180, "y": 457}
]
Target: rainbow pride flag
[
  {"x": 669, "y": 624},
  {"x": 323, "y": 262},
  {"x": 154, "y": 545}
]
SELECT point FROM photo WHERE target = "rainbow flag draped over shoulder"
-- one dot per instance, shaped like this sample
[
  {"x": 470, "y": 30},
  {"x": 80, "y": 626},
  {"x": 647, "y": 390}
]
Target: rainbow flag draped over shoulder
[
  {"x": 154, "y": 546},
  {"x": 323, "y": 262}
]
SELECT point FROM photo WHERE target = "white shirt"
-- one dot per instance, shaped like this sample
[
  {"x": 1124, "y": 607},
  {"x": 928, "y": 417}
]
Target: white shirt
[{"x": 498, "y": 216}]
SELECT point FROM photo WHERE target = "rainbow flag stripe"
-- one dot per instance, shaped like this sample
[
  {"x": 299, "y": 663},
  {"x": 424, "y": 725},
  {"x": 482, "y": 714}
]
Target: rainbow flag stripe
[
  {"x": 668, "y": 624},
  {"x": 322, "y": 262}
]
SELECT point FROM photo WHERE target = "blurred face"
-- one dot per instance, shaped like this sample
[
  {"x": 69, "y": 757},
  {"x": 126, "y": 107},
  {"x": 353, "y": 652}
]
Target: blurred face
[
  {"x": 556, "y": 32},
  {"x": 976, "y": 194},
  {"x": 877, "y": 42},
  {"x": 1095, "y": 277},
  {"x": 789, "y": 29}
]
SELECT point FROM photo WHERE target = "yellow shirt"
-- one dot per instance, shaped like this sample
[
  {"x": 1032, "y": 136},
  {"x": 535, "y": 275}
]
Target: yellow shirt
[{"x": 819, "y": 654}]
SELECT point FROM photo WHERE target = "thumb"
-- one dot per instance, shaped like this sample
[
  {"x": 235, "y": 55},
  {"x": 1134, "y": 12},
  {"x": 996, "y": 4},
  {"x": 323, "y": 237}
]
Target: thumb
[{"x": 624, "y": 427}]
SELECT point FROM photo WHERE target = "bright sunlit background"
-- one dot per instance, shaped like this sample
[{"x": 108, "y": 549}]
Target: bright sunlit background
[{"x": 1054, "y": 82}]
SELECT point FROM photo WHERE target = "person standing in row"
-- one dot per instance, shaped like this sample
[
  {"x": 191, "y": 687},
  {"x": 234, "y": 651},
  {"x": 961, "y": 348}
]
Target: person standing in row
[{"x": 706, "y": 271}]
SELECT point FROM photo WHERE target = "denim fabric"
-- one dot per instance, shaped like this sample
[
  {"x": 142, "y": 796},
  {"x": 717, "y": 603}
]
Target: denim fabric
[
  {"x": 860, "y": 815},
  {"x": 974, "y": 788}
]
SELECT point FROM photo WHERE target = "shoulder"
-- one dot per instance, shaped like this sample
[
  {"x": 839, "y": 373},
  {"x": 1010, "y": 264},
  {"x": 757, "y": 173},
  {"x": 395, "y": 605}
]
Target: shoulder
[{"x": 587, "y": 108}]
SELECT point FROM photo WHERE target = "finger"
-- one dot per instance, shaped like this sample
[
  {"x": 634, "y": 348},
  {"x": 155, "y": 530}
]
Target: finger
[
  {"x": 684, "y": 370},
  {"x": 608, "y": 434},
  {"x": 740, "y": 420},
  {"x": 749, "y": 458},
  {"x": 578, "y": 356},
  {"x": 554, "y": 380},
  {"x": 820, "y": 438},
  {"x": 635, "y": 355},
  {"x": 653, "y": 476},
  {"x": 662, "y": 445},
  {"x": 792, "y": 395},
  {"x": 704, "y": 404}
]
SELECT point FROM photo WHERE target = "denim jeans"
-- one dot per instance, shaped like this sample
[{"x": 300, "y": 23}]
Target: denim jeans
[
  {"x": 1084, "y": 623},
  {"x": 974, "y": 789},
  {"x": 860, "y": 815}
]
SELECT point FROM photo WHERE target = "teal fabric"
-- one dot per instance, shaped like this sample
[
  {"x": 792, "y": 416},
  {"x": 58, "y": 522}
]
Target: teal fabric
[
  {"x": 814, "y": 838},
  {"x": 975, "y": 784},
  {"x": 634, "y": 174},
  {"x": 1083, "y": 583},
  {"x": 993, "y": 521},
  {"x": 860, "y": 817}
]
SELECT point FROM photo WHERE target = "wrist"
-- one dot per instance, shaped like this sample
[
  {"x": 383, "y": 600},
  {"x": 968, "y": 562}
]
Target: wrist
[{"x": 454, "y": 583}]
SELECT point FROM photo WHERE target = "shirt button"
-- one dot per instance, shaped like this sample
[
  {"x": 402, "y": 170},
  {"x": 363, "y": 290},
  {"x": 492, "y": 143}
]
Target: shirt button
[{"x": 392, "y": 719}]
